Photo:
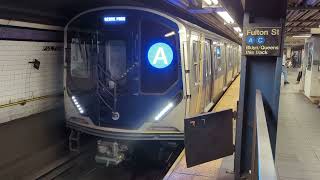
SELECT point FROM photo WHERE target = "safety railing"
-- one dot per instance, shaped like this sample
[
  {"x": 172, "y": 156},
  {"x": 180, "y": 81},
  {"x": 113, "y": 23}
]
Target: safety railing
[{"x": 263, "y": 166}]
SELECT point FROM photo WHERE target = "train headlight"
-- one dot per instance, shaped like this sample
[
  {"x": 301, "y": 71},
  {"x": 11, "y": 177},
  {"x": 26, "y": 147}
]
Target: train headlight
[
  {"x": 77, "y": 104},
  {"x": 164, "y": 111}
]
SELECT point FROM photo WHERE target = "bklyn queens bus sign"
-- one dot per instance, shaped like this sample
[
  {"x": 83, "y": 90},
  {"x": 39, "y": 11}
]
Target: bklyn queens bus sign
[{"x": 160, "y": 55}]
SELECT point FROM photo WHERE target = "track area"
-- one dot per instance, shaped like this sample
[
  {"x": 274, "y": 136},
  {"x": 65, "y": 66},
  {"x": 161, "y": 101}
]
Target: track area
[{"x": 148, "y": 160}]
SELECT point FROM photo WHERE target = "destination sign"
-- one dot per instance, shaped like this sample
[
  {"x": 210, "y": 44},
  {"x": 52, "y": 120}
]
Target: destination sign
[{"x": 262, "y": 41}]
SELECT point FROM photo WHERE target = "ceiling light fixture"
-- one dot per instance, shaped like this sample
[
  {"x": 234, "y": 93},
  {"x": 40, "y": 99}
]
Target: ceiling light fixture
[
  {"x": 225, "y": 16},
  {"x": 215, "y": 2},
  {"x": 302, "y": 36},
  {"x": 209, "y": 2},
  {"x": 237, "y": 29}
]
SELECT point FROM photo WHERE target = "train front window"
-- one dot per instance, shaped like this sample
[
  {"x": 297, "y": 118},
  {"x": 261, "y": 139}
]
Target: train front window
[
  {"x": 159, "y": 55},
  {"x": 79, "y": 59},
  {"x": 100, "y": 50},
  {"x": 118, "y": 46}
]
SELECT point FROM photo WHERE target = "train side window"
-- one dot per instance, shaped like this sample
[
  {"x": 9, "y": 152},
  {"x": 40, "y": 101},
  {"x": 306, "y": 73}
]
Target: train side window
[{"x": 195, "y": 60}]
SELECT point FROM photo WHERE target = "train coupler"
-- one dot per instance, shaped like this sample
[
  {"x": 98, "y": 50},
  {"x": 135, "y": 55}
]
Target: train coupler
[{"x": 110, "y": 153}]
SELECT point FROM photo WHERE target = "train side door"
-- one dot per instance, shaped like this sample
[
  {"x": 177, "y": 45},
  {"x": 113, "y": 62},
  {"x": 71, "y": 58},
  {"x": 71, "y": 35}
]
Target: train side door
[{"x": 195, "y": 73}]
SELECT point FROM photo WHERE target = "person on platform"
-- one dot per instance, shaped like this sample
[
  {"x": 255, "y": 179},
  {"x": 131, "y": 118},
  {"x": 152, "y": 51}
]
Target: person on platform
[
  {"x": 284, "y": 69},
  {"x": 299, "y": 74}
]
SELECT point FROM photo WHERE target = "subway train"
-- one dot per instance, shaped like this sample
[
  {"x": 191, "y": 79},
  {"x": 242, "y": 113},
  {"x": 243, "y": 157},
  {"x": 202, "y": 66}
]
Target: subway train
[{"x": 134, "y": 73}]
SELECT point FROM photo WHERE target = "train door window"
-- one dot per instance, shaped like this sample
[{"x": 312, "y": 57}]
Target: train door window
[
  {"x": 223, "y": 57},
  {"x": 205, "y": 61},
  {"x": 158, "y": 47},
  {"x": 195, "y": 60},
  {"x": 218, "y": 59},
  {"x": 208, "y": 57}
]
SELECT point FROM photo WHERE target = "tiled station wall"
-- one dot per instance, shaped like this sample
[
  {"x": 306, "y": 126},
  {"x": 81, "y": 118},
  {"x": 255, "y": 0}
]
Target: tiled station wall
[
  {"x": 41, "y": 89},
  {"x": 35, "y": 142}
]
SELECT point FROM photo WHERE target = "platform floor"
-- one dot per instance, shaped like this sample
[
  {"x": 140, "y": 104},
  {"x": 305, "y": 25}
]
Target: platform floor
[
  {"x": 220, "y": 169},
  {"x": 298, "y": 139}
]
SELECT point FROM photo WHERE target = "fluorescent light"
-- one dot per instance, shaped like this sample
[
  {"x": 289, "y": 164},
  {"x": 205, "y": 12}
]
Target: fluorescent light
[
  {"x": 163, "y": 111},
  {"x": 215, "y": 2},
  {"x": 225, "y": 16},
  {"x": 209, "y": 2},
  {"x": 302, "y": 36},
  {"x": 240, "y": 34},
  {"x": 237, "y": 29},
  {"x": 170, "y": 34}
]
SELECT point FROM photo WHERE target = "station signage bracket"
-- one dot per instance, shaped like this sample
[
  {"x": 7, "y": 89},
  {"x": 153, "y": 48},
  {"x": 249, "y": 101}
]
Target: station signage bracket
[{"x": 262, "y": 41}]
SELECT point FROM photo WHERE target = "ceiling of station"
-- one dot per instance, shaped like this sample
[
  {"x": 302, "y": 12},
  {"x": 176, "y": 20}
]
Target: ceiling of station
[
  {"x": 58, "y": 12},
  {"x": 302, "y": 15}
]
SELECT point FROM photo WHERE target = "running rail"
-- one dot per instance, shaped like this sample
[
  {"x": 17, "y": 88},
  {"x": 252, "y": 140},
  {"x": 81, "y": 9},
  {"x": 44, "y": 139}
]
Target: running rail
[{"x": 263, "y": 166}]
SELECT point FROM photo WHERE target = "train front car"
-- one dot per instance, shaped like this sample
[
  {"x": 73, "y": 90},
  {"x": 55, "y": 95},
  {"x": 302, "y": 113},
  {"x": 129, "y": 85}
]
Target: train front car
[{"x": 123, "y": 77}]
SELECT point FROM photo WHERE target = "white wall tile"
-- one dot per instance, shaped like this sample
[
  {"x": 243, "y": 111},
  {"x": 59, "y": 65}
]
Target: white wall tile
[{"x": 19, "y": 80}]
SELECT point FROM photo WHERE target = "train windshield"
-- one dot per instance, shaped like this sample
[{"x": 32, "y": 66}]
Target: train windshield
[
  {"x": 122, "y": 54},
  {"x": 115, "y": 45}
]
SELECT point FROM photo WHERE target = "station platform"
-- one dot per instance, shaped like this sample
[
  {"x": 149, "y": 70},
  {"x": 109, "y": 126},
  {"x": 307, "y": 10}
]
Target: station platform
[
  {"x": 298, "y": 145},
  {"x": 221, "y": 169}
]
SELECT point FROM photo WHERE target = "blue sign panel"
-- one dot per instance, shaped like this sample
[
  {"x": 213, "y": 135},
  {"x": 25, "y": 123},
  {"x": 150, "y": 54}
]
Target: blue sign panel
[{"x": 160, "y": 55}]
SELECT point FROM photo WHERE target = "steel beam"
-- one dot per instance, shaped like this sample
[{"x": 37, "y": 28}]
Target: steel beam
[
  {"x": 303, "y": 8},
  {"x": 207, "y": 10},
  {"x": 300, "y": 26},
  {"x": 304, "y": 21}
]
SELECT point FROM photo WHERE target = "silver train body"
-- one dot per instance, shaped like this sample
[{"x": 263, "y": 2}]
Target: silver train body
[{"x": 135, "y": 73}]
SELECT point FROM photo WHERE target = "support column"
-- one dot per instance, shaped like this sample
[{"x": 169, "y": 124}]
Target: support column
[{"x": 263, "y": 24}]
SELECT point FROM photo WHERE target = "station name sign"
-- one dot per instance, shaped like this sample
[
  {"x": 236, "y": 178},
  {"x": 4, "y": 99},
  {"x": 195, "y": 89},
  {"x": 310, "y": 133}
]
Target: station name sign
[{"x": 262, "y": 41}]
